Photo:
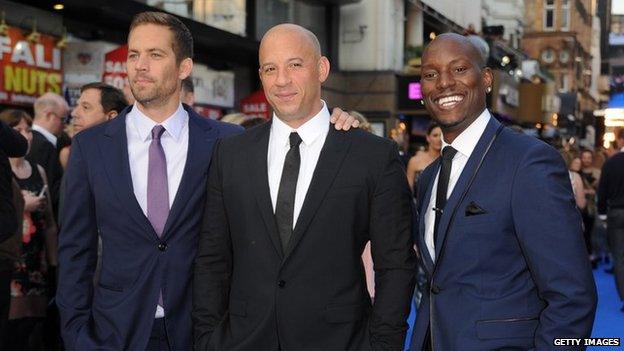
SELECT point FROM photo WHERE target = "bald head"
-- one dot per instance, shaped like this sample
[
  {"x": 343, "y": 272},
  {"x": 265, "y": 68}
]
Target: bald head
[
  {"x": 290, "y": 30},
  {"x": 292, "y": 71},
  {"x": 50, "y": 111},
  {"x": 470, "y": 49}
]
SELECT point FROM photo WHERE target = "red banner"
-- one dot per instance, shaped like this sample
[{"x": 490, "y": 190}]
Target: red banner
[
  {"x": 29, "y": 70},
  {"x": 115, "y": 72},
  {"x": 256, "y": 105}
]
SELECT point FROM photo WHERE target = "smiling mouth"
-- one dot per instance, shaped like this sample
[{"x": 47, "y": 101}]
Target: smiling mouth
[
  {"x": 285, "y": 97},
  {"x": 448, "y": 102}
]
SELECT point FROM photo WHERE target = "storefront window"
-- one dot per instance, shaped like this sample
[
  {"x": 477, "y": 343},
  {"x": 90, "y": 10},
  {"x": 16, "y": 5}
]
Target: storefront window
[{"x": 228, "y": 15}]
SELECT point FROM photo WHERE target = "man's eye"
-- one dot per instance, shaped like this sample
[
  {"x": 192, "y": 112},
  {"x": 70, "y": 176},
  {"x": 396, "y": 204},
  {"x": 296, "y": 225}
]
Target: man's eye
[
  {"x": 460, "y": 69},
  {"x": 430, "y": 75},
  {"x": 269, "y": 69},
  {"x": 296, "y": 64}
]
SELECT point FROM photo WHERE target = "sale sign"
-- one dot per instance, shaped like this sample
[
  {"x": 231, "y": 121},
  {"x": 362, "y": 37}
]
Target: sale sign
[
  {"x": 115, "y": 73},
  {"x": 28, "y": 70}
]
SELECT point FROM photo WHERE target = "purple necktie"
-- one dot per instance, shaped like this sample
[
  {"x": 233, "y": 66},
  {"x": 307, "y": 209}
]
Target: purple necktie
[
  {"x": 157, "y": 184},
  {"x": 157, "y": 187}
]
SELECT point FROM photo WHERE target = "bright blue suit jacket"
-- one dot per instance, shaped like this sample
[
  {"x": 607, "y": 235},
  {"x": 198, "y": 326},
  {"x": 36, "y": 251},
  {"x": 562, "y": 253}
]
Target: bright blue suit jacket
[
  {"x": 512, "y": 271},
  {"x": 117, "y": 311}
]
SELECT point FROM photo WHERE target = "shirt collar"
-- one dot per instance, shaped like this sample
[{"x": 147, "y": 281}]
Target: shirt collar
[
  {"x": 309, "y": 132},
  {"x": 144, "y": 125},
  {"x": 49, "y": 136},
  {"x": 466, "y": 142}
]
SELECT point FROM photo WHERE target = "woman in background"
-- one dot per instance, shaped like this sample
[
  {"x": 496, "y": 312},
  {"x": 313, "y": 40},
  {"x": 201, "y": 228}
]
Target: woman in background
[
  {"x": 424, "y": 158},
  {"x": 30, "y": 281}
]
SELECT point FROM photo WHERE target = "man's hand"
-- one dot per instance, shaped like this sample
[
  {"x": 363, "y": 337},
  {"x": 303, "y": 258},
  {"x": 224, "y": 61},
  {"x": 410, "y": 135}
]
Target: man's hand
[{"x": 343, "y": 120}]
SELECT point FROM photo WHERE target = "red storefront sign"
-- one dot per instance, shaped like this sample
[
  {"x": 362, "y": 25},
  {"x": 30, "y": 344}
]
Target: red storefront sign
[
  {"x": 115, "y": 72},
  {"x": 28, "y": 69},
  {"x": 256, "y": 105}
]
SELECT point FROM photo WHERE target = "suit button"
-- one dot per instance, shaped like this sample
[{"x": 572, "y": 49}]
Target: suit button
[
  {"x": 162, "y": 246},
  {"x": 435, "y": 289},
  {"x": 281, "y": 283}
]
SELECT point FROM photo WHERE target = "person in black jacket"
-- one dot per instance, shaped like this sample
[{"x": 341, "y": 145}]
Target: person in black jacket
[
  {"x": 290, "y": 206},
  {"x": 611, "y": 206},
  {"x": 12, "y": 144},
  {"x": 50, "y": 112}
]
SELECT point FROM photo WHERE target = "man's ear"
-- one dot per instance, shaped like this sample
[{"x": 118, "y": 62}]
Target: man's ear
[
  {"x": 488, "y": 77},
  {"x": 186, "y": 67},
  {"x": 111, "y": 114},
  {"x": 324, "y": 68}
]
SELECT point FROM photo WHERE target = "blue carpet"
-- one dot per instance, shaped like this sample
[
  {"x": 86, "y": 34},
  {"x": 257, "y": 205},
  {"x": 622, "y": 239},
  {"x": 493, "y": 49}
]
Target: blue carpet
[{"x": 609, "y": 322}]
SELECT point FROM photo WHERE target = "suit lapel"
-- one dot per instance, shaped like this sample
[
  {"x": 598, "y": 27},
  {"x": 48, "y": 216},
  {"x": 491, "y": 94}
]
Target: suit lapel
[
  {"x": 332, "y": 155},
  {"x": 462, "y": 182},
  {"x": 201, "y": 141},
  {"x": 114, "y": 151},
  {"x": 423, "y": 205},
  {"x": 257, "y": 162}
]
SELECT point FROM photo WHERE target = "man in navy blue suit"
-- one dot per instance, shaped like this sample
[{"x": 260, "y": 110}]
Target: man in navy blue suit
[
  {"x": 132, "y": 181},
  {"x": 498, "y": 233}
]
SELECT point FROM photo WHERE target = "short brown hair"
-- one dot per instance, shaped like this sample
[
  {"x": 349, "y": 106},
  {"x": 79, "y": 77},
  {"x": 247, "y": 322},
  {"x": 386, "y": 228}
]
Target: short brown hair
[
  {"x": 182, "y": 39},
  {"x": 13, "y": 117}
]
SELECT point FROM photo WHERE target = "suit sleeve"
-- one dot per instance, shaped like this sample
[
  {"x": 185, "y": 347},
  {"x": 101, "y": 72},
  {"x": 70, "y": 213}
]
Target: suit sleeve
[
  {"x": 213, "y": 263},
  {"x": 549, "y": 229},
  {"x": 393, "y": 255},
  {"x": 77, "y": 254}
]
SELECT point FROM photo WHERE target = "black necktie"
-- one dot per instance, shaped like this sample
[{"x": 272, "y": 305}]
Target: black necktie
[
  {"x": 443, "y": 181},
  {"x": 285, "y": 206}
]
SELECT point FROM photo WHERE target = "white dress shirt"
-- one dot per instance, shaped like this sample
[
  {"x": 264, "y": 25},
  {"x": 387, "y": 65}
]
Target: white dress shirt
[
  {"x": 175, "y": 145},
  {"x": 313, "y": 134},
  {"x": 49, "y": 136},
  {"x": 464, "y": 143}
]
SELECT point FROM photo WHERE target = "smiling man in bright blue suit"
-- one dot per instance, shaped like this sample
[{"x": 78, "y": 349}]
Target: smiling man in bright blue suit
[{"x": 499, "y": 234}]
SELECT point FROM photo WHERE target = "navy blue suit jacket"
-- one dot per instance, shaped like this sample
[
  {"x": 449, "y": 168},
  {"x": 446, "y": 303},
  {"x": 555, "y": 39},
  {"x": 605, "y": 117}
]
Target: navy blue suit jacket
[
  {"x": 511, "y": 271},
  {"x": 117, "y": 311}
]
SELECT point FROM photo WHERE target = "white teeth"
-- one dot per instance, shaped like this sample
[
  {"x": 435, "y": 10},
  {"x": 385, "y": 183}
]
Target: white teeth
[{"x": 450, "y": 100}]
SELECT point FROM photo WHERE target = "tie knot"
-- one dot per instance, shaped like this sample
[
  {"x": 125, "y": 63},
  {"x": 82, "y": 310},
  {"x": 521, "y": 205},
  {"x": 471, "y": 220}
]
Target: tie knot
[
  {"x": 295, "y": 139},
  {"x": 157, "y": 131},
  {"x": 448, "y": 153}
]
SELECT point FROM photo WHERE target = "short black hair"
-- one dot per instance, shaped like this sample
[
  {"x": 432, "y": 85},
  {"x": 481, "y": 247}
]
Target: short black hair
[{"x": 111, "y": 98}]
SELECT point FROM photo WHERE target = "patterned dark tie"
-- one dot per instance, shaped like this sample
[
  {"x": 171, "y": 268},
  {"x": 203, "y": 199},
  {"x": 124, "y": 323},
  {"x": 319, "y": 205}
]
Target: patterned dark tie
[
  {"x": 157, "y": 187},
  {"x": 443, "y": 181},
  {"x": 285, "y": 205}
]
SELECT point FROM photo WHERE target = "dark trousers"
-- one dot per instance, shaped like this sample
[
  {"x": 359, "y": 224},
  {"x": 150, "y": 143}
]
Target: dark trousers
[
  {"x": 158, "y": 340},
  {"x": 615, "y": 236}
]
